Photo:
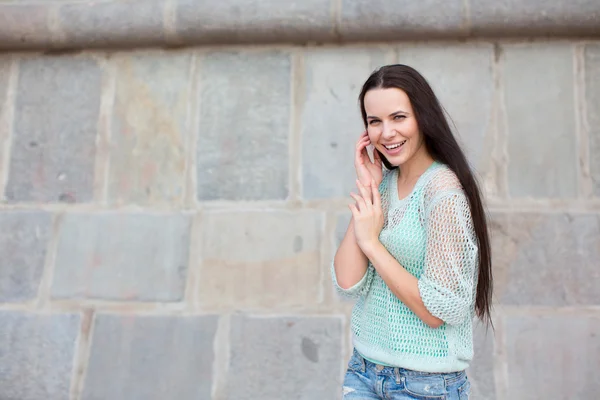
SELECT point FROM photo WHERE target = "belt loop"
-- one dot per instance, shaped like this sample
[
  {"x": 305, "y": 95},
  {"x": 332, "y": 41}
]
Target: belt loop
[{"x": 397, "y": 372}]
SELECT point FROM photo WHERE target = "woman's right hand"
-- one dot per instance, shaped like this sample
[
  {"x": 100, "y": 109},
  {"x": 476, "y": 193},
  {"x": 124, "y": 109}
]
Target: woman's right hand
[{"x": 367, "y": 170}]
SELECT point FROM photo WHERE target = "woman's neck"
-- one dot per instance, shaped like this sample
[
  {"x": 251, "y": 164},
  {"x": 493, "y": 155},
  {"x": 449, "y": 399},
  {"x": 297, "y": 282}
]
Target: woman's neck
[{"x": 414, "y": 167}]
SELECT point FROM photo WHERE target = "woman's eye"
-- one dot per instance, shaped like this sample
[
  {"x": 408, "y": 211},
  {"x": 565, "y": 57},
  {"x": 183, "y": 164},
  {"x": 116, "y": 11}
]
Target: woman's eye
[
  {"x": 399, "y": 117},
  {"x": 373, "y": 122}
]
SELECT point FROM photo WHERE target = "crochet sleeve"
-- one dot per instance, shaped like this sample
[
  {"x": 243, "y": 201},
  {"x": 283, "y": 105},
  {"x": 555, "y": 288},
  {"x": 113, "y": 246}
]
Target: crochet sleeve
[
  {"x": 447, "y": 283},
  {"x": 359, "y": 289}
]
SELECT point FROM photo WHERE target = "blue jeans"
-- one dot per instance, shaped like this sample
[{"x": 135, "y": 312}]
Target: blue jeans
[{"x": 367, "y": 381}]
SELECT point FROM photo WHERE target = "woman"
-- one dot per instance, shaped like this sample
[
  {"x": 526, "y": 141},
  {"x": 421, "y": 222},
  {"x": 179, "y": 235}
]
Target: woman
[{"x": 416, "y": 255}]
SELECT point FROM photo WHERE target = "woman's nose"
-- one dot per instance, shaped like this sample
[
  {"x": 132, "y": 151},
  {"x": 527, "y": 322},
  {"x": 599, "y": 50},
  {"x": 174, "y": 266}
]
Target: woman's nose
[{"x": 388, "y": 133}]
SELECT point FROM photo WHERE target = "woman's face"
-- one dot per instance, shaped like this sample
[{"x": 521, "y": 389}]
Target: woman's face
[{"x": 392, "y": 126}]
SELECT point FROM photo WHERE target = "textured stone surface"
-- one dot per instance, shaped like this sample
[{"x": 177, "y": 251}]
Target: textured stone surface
[
  {"x": 242, "y": 151},
  {"x": 24, "y": 26},
  {"x": 54, "y": 132},
  {"x": 546, "y": 259},
  {"x": 206, "y": 21},
  {"x": 330, "y": 120},
  {"x": 106, "y": 23},
  {"x": 5, "y": 62},
  {"x": 341, "y": 226},
  {"x": 151, "y": 357},
  {"x": 461, "y": 77},
  {"x": 260, "y": 259},
  {"x": 284, "y": 358},
  {"x": 150, "y": 133},
  {"x": 23, "y": 239},
  {"x": 112, "y": 22},
  {"x": 381, "y": 19},
  {"x": 592, "y": 91},
  {"x": 540, "y": 117},
  {"x": 5, "y": 117},
  {"x": 36, "y": 355},
  {"x": 339, "y": 303},
  {"x": 545, "y": 262},
  {"x": 562, "y": 346},
  {"x": 481, "y": 370},
  {"x": 516, "y": 17},
  {"x": 114, "y": 255}
]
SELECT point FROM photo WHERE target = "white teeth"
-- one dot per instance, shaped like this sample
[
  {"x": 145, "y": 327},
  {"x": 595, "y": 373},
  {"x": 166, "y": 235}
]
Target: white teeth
[{"x": 395, "y": 146}]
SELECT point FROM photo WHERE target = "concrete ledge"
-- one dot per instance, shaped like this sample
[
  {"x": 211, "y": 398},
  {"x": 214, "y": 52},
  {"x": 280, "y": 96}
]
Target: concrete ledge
[{"x": 62, "y": 25}]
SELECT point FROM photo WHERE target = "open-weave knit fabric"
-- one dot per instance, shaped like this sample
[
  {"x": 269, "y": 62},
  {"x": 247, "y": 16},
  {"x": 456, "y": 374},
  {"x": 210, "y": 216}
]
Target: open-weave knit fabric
[{"x": 430, "y": 233}]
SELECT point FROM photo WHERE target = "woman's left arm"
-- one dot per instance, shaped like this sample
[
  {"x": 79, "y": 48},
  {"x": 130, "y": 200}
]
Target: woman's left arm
[
  {"x": 401, "y": 282},
  {"x": 443, "y": 293}
]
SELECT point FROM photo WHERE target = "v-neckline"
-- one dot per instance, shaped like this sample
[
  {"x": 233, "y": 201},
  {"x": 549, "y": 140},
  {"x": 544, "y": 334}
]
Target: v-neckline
[{"x": 394, "y": 188}]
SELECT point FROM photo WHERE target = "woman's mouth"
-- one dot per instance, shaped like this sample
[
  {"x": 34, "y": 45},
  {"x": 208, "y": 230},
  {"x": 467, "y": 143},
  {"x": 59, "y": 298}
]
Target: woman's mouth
[{"x": 394, "y": 148}]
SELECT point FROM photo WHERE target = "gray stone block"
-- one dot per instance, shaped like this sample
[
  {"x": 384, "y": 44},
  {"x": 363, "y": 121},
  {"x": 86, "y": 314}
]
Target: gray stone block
[
  {"x": 380, "y": 19},
  {"x": 132, "y": 23},
  {"x": 276, "y": 358},
  {"x": 592, "y": 91},
  {"x": 330, "y": 120},
  {"x": 149, "y": 132},
  {"x": 5, "y": 64},
  {"x": 562, "y": 346},
  {"x": 269, "y": 259},
  {"x": 122, "y": 23},
  {"x": 5, "y": 117},
  {"x": 481, "y": 370},
  {"x": 54, "y": 133},
  {"x": 461, "y": 77},
  {"x": 36, "y": 355},
  {"x": 342, "y": 304},
  {"x": 546, "y": 259},
  {"x": 540, "y": 18},
  {"x": 540, "y": 119},
  {"x": 341, "y": 226},
  {"x": 242, "y": 151},
  {"x": 23, "y": 239},
  {"x": 151, "y": 358},
  {"x": 242, "y": 21},
  {"x": 25, "y": 26},
  {"x": 113, "y": 255}
]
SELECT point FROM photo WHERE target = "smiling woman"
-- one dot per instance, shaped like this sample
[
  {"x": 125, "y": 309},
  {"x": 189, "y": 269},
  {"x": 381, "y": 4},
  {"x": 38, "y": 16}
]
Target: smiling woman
[
  {"x": 416, "y": 255},
  {"x": 391, "y": 124}
]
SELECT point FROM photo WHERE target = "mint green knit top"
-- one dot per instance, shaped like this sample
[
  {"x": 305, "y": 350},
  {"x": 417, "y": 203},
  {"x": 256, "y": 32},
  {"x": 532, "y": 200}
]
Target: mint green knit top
[{"x": 430, "y": 233}]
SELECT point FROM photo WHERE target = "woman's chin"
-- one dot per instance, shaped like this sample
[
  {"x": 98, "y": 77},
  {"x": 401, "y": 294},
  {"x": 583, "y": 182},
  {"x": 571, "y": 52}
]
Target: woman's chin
[{"x": 395, "y": 161}]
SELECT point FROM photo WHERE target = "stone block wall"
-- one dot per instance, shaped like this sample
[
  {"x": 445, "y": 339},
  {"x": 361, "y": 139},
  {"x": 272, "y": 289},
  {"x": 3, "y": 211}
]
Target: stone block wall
[
  {"x": 169, "y": 216},
  {"x": 75, "y": 24}
]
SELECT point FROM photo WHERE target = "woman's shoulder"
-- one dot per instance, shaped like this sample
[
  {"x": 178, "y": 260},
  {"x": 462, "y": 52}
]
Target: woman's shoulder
[{"x": 441, "y": 181}]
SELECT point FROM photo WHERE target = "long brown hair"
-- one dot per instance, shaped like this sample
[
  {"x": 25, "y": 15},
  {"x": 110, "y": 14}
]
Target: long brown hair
[{"x": 443, "y": 147}]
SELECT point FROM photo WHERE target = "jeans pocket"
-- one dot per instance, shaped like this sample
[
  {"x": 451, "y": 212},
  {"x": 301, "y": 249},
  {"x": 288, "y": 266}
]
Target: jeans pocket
[
  {"x": 426, "y": 387},
  {"x": 356, "y": 363},
  {"x": 464, "y": 390}
]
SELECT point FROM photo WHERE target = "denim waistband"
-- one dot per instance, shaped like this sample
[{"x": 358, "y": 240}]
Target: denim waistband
[{"x": 449, "y": 377}]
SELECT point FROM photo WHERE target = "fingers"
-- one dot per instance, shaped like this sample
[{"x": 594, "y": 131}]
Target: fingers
[
  {"x": 354, "y": 211},
  {"x": 376, "y": 195},
  {"x": 364, "y": 192},
  {"x": 362, "y": 139},
  {"x": 363, "y": 143},
  {"x": 360, "y": 146},
  {"x": 360, "y": 202},
  {"x": 361, "y": 153}
]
